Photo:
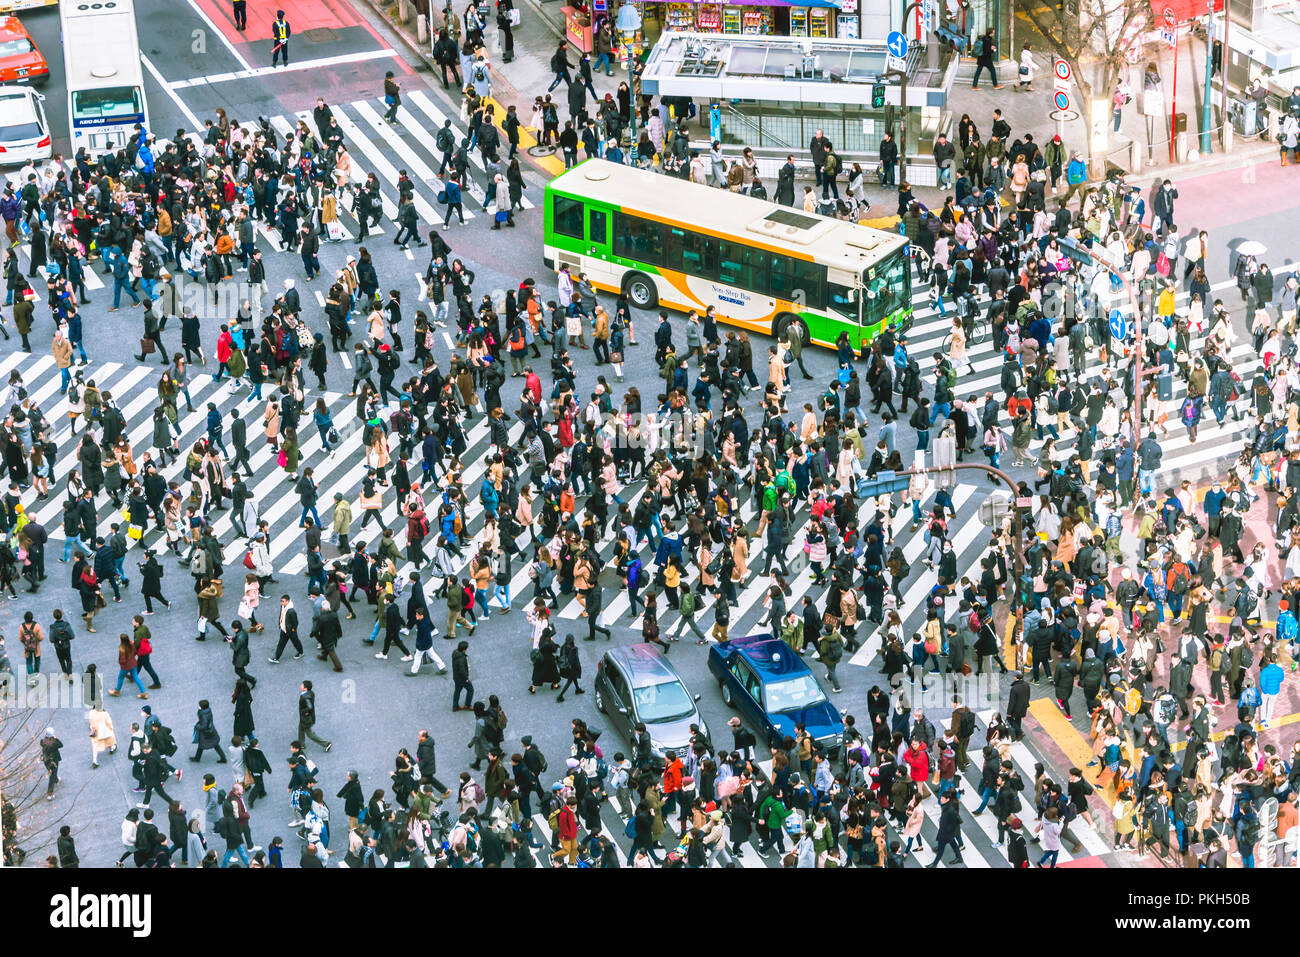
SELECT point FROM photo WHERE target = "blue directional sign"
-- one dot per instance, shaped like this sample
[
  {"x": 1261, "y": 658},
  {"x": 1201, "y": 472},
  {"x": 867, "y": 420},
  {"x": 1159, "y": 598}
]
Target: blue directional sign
[
  {"x": 897, "y": 44},
  {"x": 1118, "y": 327}
]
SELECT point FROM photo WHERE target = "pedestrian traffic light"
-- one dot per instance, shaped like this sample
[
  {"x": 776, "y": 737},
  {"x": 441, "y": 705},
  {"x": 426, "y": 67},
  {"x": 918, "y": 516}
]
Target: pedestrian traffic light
[{"x": 878, "y": 95}]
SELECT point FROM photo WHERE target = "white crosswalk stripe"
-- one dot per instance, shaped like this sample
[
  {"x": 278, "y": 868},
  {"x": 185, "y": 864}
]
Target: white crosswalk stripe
[{"x": 1216, "y": 445}]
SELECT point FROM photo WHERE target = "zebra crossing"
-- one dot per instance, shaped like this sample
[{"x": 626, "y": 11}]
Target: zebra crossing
[
  {"x": 978, "y": 832},
  {"x": 1216, "y": 445}
]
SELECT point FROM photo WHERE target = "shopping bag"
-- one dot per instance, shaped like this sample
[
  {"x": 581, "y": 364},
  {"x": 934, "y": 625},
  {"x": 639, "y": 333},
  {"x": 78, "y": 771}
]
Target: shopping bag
[
  {"x": 334, "y": 229},
  {"x": 515, "y": 17},
  {"x": 134, "y": 532},
  {"x": 146, "y": 347},
  {"x": 202, "y": 626}
]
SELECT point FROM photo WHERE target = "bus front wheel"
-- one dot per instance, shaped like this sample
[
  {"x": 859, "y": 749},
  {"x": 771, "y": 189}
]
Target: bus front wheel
[
  {"x": 641, "y": 291},
  {"x": 787, "y": 321}
]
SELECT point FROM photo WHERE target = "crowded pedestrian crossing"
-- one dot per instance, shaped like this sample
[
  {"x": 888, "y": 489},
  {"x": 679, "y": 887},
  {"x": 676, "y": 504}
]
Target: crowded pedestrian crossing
[{"x": 980, "y": 847}]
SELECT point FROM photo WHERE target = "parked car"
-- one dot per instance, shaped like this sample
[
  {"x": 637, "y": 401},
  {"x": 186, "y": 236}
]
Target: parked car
[
  {"x": 636, "y": 683},
  {"x": 24, "y": 130},
  {"x": 20, "y": 60},
  {"x": 773, "y": 688}
]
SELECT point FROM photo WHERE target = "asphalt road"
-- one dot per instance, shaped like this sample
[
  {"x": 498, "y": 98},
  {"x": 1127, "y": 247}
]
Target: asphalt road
[{"x": 371, "y": 710}]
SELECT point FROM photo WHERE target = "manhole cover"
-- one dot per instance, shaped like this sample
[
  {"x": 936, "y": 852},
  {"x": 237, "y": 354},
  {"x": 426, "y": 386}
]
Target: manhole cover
[
  {"x": 541, "y": 150},
  {"x": 319, "y": 34}
]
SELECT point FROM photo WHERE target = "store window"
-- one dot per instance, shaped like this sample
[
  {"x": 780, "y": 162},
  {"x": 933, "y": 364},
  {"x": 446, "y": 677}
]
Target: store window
[{"x": 566, "y": 216}]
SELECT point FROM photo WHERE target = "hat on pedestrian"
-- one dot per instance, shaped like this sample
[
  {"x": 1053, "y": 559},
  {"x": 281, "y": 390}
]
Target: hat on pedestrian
[
  {"x": 710, "y": 807},
  {"x": 571, "y": 763},
  {"x": 147, "y": 710},
  {"x": 50, "y": 732},
  {"x": 733, "y": 722},
  {"x": 715, "y": 815},
  {"x": 1013, "y": 822},
  {"x": 526, "y": 740},
  {"x": 1056, "y": 138},
  {"x": 1282, "y": 605}
]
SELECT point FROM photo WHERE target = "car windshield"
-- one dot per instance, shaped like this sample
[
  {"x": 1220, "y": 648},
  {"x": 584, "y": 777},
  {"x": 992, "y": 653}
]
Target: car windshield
[
  {"x": 793, "y": 693},
  {"x": 15, "y": 47},
  {"x": 662, "y": 702}
]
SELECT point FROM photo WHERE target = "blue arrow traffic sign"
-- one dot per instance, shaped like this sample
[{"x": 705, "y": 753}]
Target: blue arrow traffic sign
[
  {"x": 1118, "y": 327},
  {"x": 897, "y": 44}
]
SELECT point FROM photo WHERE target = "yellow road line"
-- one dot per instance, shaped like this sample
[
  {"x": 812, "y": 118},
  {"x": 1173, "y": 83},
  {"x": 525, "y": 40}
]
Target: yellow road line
[
  {"x": 1220, "y": 735},
  {"x": 1069, "y": 740},
  {"x": 551, "y": 164},
  {"x": 1227, "y": 620}
]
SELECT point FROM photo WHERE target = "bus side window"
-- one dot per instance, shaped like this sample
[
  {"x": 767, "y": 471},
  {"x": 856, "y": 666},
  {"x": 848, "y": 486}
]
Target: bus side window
[
  {"x": 809, "y": 280},
  {"x": 778, "y": 274},
  {"x": 638, "y": 239},
  {"x": 567, "y": 216},
  {"x": 710, "y": 267},
  {"x": 597, "y": 227},
  {"x": 731, "y": 267}
]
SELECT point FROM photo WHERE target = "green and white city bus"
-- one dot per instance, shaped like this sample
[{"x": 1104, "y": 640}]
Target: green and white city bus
[{"x": 667, "y": 241}]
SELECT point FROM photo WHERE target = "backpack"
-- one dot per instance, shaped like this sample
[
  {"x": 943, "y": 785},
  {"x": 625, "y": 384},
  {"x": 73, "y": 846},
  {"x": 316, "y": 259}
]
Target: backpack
[
  {"x": 967, "y": 727},
  {"x": 446, "y": 140},
  {"x": 950, "y": 375},
  {"x": 74, "y": 394},
  {"x": 687, "y": 604},
  {"x": 164, "y": 741},
  {"x": 1167, "y": 709},
  {"x": 424, "y": 526},
  {"x": 1132, "y": 701},
  {"x": 479, "y": 795},
  {"x": 480, "y": 75},
  {"x": 1216, "y": 660},
  {"x": 978, "y": 48}
]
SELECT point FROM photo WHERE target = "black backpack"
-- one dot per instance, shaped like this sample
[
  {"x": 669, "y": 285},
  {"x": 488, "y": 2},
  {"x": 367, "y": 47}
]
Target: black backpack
[
  {"x": 967, "y": 727},
  {"x": 163, "y": 741}
]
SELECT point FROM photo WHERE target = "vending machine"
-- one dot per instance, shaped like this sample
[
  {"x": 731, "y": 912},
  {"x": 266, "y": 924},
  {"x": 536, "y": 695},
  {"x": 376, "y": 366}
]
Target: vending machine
[
  {"x": 798, "y": 21},
  {"x": 709, "y": 19},
  {"x": 731, "y": 19},
  {"x": 846, "y": 21},
  {"x": 757, "y": 22},
  {"x": 819, "y": 22},
  {"x": 680, "y": 16}
]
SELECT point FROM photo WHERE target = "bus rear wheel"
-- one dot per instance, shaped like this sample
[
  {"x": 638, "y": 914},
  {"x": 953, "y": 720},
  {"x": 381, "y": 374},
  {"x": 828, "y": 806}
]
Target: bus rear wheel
[
  {"x": 787, "y": 321},
  {"x": 641, "y": 291}
]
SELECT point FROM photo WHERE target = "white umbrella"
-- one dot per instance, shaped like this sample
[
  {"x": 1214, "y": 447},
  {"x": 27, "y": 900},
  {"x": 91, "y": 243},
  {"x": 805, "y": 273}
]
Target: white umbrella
[{"x": 1251, "y": 247}]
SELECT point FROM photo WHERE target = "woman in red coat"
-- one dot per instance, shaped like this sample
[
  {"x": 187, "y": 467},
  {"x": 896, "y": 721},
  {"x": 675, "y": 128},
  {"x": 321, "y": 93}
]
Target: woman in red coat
[{"x": 918, "y": 761}]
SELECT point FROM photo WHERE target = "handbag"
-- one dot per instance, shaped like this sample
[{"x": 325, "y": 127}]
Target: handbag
[
  {"x": 515, "y": 16},
  {"x": 202, "y": 626},
  {"x": 134, "y": 532},
  {"x": 616, "y": 357},
  {"x": 146, "y": 347},
  {"x": 99, "y": 601},
  {"x": 282, "y": 459},
  {"x": 502, "y": 216}
]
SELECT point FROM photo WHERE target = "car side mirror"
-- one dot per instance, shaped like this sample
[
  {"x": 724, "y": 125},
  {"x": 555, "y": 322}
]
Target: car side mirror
[
  {"x": 621, "y": 709},
  {"x": 697, "y": 697},
  {"x": 40, "y": 96}
]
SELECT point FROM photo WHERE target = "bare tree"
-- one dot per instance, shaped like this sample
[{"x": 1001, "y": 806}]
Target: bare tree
[
  {"x": 28, "y": 823},
  {"x": 1095, "y": 37}
]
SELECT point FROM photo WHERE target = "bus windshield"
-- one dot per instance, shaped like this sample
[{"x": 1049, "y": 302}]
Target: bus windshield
[
  {"x": 109, "y": 103},
  {"x": 886, "y": 288}
]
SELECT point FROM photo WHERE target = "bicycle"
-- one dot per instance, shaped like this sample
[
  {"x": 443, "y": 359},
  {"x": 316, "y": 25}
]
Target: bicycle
[{"x": 975, "y": 324}]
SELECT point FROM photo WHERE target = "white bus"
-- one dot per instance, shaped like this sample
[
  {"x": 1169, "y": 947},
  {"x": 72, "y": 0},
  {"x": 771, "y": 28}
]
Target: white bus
[{"x": 101, "y": 58}]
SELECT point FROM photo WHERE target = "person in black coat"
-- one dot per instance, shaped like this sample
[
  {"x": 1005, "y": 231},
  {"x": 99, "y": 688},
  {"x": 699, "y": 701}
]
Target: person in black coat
[
  {"x": 570, "y": 667},
  {"x": 353, "y": 799},
  {"x": 1018, "y": 703}
]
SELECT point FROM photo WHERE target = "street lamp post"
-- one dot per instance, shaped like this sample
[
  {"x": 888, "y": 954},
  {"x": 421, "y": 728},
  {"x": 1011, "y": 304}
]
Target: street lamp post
[{"x": 1207, "y": 109}]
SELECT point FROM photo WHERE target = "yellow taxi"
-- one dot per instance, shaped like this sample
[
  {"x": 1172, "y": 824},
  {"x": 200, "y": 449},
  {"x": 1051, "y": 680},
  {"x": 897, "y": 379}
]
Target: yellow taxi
[{"x": 20, "y": 60}]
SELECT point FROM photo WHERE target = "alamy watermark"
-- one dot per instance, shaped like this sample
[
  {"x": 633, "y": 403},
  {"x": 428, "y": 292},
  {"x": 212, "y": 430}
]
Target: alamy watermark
[{"x": 82, "y": 691}]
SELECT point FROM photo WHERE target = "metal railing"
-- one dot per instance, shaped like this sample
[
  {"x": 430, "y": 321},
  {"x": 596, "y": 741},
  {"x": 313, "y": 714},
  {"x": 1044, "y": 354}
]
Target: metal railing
[{"x": 761, "y": 137}]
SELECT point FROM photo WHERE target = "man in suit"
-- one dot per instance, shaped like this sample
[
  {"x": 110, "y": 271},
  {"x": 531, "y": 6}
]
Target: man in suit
[
  {"x": 288, "y": 631},
  {"x": 239, "y": 438},
  {"x": 307, "y": 716}
]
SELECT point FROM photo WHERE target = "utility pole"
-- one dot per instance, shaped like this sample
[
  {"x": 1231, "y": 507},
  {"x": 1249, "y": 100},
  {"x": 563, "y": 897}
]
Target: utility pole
[{"x": 1207, "y": 111}]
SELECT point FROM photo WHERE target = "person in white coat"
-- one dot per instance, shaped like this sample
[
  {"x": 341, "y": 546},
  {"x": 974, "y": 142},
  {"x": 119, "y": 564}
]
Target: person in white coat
[
  {"x": 1025, "y": 81},
  {"x": 503, "y": 213}
]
